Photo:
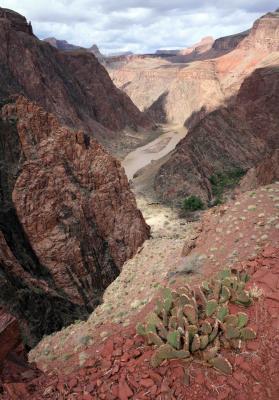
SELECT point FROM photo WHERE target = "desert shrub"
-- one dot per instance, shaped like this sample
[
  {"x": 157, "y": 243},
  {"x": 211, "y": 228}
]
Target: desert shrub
[
  {"x": 193, "y": 203},
  {"x": 221, "y": 181}
]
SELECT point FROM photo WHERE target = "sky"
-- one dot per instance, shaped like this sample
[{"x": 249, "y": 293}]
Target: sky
[{"x": 140, "y": 26}]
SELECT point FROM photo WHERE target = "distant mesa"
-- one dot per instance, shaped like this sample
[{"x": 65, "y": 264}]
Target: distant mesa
[
  {"x": 62, "y": 44},
  {"x": 120, "y": 53}
]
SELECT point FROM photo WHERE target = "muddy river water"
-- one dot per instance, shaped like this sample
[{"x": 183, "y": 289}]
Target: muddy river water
[{"x": 154, "y": 150}]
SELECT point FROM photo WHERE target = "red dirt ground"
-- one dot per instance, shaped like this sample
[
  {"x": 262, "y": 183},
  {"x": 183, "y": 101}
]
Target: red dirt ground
[{"x": 119, "y": 368}]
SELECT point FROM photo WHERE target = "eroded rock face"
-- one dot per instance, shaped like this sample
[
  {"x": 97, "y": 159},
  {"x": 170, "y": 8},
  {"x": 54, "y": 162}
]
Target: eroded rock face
[
  {"x": 264, "y": 33},
  {"x": 9, "y": 334},
  {"x": 229, "y": 43},
  {"x": 239, "y": 136},
  {"x": 72, "y": 85},
  {"x": 68, "y": 219}
]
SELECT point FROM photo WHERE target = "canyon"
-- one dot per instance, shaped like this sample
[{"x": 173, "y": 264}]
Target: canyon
[
  {"x": 72, "y": 85},
  {"x": 97, "y": 156}
]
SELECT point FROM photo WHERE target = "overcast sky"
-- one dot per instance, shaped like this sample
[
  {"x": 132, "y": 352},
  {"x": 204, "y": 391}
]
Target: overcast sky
[{"x": 138, "y": 25}]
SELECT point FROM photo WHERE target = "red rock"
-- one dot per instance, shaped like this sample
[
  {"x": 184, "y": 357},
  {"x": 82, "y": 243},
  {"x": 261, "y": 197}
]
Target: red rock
[
  {"x": 87, "y": 396},
  {"x": 124, "y": 391},
  {"x": 96, "y": 198},
  {"x": 72, "y": 383},
  {"x": 107, "y": 349},
  {"x": 16, "y": 390},
  {"x": 178, "y": 372},
  {"x": 146, "y": 382},
  {"x": 9, "y": 334},
  {"x": 270, "y": 280},
  {"x": 125, "y": 357},
  {"x": 273, "y": 296},
  {"x": 245, "y": 366},
  {"x": 240, "y": 377},
  {"x": 234, "y": 383},
  {"x": 199, "y": 378},
  {"x": 269, "y": 252}
]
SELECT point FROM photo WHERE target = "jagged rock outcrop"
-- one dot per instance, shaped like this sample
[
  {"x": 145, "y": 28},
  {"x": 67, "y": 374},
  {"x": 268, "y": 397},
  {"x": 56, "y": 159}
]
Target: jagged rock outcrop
[
  {"x": 264, "y": 173},
  {"x": 239, "y": 136},
  {"x": 72, "y": 85},
  {"x": 68, "y": 220}
]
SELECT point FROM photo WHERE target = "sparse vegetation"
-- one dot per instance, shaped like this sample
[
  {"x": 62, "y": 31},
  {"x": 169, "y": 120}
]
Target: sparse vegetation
[
  {"x": 196, "y": 323},
  {"x": 222, "y": 181},
  {"x": 193, "y": 203}
]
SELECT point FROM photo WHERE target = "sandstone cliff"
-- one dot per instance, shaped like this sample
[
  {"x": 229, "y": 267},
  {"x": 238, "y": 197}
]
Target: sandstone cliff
[
  {"x": 68, "y": 220},
  {"x": 200, "y": 78},
  {"x": 238, "y": 136},
  {"x": 228, "y": 43},
  {"x": 73, "y": 85}
]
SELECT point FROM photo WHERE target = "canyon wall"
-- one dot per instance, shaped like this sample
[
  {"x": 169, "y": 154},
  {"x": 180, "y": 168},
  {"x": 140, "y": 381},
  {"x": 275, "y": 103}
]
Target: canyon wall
[
  {"x": 68, "y": 220},
  {"x": 72, "y": 85},
  {"x": 238, "y": 136}
]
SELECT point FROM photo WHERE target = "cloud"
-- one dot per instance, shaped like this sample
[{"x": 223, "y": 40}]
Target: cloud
[{"x": 138, "y": 25}]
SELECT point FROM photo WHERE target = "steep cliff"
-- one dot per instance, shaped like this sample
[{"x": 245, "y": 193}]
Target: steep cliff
[
  {"x": 239, "y": 136},
  {"x": 68, "y": 220},
  {"x": 73, "y": 85},
  {"x": 229, "y": 43}
]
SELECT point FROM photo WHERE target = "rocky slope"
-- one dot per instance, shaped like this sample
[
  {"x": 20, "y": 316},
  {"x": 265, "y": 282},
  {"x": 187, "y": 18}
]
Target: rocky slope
[
  {"x": 73, "y": 85},
  {"x": 238, "y": 136},
  {"x": 68, "y": 220},
  {"x": 104, "y": 360}
]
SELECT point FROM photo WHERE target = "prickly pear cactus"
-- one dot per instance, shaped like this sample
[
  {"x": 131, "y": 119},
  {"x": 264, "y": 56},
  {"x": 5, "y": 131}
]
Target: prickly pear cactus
[{"x": 196, "y": 322}]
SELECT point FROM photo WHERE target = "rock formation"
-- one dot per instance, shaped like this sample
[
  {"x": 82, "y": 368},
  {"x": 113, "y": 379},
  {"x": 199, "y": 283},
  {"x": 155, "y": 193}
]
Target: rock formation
[
  {"x": 199, "y": 48},
  {"x": 68, "y": 220},
  {"x": 63, "y": 45},
  {"x": 264, "y": 33},
  {"x": 238, "y": 136},
  {"x": 9, "y": 334},
  {"x": 72, "y": 85},
  {"x": 202, "y": 77},
  {"x": 229, "y": 43}
]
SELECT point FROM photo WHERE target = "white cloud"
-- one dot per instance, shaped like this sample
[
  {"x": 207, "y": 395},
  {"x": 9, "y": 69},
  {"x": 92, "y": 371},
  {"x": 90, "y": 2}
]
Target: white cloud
[{"x": 138, "y": 25}]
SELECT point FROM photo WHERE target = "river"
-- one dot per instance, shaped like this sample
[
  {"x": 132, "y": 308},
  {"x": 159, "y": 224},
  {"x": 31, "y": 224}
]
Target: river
[{"x": 154, "y": 150}]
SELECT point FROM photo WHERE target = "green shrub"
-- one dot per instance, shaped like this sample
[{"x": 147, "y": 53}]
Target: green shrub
[
  {"x": 193, "y": 203},
  {"x": 220, "y": 181}
]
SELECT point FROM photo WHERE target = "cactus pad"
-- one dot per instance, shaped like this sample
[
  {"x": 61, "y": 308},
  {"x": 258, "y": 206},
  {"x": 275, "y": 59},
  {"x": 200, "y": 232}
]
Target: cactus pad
[
  {"x": 248, "y": 334},
  {"x": 242, "y": 319},
  {"x": 221, "y": 364},
  {"x": 211, "y": 307}
]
